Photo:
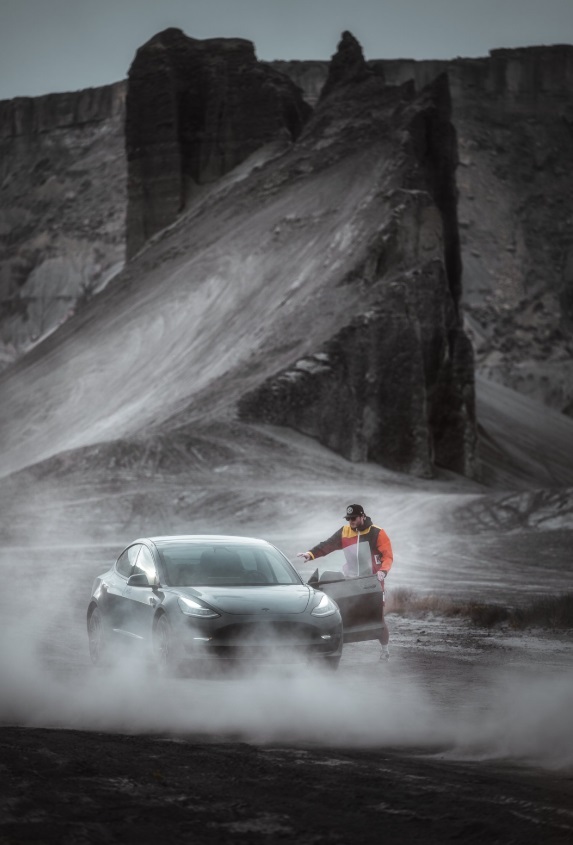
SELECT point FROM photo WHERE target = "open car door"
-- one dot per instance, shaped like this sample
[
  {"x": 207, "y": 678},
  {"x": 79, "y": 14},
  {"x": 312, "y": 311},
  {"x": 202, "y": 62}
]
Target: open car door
[{"x": 360, "y": 601}]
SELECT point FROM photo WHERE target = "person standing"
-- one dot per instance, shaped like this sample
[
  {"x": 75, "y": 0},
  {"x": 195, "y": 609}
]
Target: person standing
[{"x": 366, "y": 548}]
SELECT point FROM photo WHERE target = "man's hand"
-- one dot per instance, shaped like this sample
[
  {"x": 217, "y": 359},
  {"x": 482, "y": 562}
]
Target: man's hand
[
  {"x": 381, "y": 575},
  {"x": 304, "y": 555}
]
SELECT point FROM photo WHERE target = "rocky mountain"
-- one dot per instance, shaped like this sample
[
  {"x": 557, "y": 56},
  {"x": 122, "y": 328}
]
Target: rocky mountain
[
  {"x": 340, "y": 246},
  {"x": 339, "y": 229},
  {"x": 513, "y": 114},
  {"x": 395, "y": 383},
  {"x": 62, "y": 208}
]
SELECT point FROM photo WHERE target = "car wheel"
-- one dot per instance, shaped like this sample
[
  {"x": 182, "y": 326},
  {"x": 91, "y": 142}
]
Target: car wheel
[
  {"x": 165, "y": 651},
  {"x": 330, "y": 663},
  {"x": 97, "y": 640}
]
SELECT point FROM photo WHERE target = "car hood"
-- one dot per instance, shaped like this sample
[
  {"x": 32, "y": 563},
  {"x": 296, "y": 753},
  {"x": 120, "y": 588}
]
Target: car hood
[{"x": 287, "y": 598}]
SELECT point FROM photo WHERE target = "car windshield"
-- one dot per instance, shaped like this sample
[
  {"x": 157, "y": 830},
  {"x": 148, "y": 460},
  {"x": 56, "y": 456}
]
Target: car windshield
[{"x": 209, "y": 564}]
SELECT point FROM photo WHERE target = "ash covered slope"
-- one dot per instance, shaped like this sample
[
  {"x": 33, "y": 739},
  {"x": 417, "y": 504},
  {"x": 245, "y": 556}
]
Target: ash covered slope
[{"x": 351, "y": 229}]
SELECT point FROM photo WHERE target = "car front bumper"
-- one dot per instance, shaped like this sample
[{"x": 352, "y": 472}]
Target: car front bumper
[{"x": 272, "y": 640}]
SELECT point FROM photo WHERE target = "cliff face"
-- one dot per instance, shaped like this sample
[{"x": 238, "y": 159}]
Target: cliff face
[
  {"x": 62, "y": 208},
  {"x": 26, "y": 117},
  {"x": 195, "y": 110},
  {"x": 515, "y": 123},
  {"x": 395, "y": 383},
  {"x": 513, "y": 113}
]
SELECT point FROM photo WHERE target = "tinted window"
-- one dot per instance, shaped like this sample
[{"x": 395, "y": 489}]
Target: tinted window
[
  {"x": 146, "y": 564},
  {"x": 212, "y": 564},
  {"x": 126, "y": 560}
]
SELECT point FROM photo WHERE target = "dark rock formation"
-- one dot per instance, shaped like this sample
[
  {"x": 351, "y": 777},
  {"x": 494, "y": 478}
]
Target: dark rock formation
[
  {"x": 513, "y": 115},
  {"x": 196, "y": 109},
  {"x": 516, "y": 208},
  {"x": 395, "y": 384},
  {"x": 391, "y": 387},
  {"x": 26, "y": 117},
  {"x": 62, "y": 208},
  {"x": 347, "y": 65}
]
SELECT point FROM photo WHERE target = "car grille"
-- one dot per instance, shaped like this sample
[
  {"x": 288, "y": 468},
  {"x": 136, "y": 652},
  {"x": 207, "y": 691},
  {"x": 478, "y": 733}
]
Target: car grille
[
  {"x": 279, "y": 640},
  {"x": 278, "y": 634}
]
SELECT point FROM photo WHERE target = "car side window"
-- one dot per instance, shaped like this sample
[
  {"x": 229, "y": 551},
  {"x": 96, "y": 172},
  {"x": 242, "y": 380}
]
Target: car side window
[
  {"x": 146, "y": 564},
  {"x": 127, "y": 559}
]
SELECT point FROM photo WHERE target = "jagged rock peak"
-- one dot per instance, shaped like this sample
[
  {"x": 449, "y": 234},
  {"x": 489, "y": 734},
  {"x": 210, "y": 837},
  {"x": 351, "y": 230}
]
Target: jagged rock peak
[{"x": 347, "y": 65}]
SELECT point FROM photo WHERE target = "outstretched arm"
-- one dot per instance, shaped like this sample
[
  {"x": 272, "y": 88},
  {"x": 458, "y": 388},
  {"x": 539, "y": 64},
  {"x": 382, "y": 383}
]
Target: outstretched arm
[{"x": 325, "y": 548}]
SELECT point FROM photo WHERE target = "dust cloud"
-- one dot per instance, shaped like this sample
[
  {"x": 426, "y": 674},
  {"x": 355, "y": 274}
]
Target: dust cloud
[
  {"x": 451, "y": 702},
  {"x": 522, "y": 717},
  {"x": 365, "y": 704}
]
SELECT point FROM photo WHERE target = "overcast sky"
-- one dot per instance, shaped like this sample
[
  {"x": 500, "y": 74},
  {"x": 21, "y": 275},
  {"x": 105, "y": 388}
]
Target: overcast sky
[{"x": 63, "y": 45}]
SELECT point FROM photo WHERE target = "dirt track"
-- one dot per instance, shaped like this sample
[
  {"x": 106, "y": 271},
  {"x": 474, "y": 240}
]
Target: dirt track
[
  {"x": 177, "y": 785},
  {"x": 75, "y": 787}
]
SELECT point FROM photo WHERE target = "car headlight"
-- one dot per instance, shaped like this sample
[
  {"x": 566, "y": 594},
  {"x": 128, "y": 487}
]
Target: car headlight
[
  {"x": 193, "y": 608},
  {"x": 325, "y": 607}
]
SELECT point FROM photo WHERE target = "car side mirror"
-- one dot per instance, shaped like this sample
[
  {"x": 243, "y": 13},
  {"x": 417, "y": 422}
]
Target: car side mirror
[{"x": 140, "y": 579}]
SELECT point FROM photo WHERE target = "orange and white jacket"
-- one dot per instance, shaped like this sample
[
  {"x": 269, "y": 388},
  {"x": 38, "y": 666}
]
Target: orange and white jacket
[{"x": 366, "y": 551}]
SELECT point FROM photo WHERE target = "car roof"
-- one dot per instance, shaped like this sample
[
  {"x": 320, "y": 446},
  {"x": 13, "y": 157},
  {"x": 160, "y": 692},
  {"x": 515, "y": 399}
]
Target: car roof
[{"x": 176, "y": 539}]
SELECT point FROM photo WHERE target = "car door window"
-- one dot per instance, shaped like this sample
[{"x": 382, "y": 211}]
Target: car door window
[
  {"x": 126, "y": 560},
  {"x": 145, "y": 564}
]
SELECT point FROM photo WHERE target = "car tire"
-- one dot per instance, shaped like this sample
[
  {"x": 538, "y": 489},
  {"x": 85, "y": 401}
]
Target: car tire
[
  {"x": 165, "y": 651},
  {"x": 97, "y": 638},
  {"x": 330, "y": 663},
  {"x": 322, "y": 662}
]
